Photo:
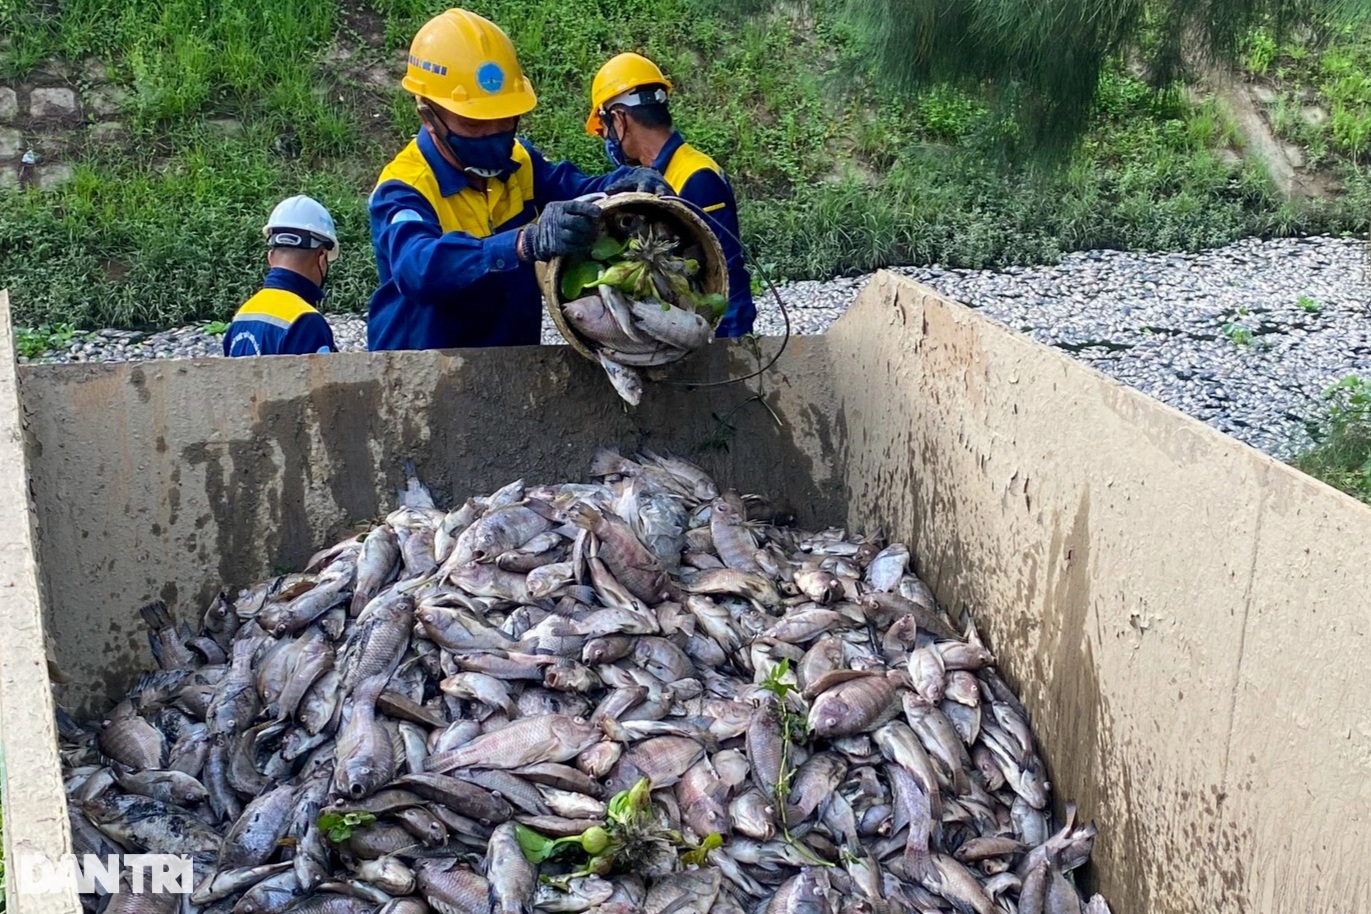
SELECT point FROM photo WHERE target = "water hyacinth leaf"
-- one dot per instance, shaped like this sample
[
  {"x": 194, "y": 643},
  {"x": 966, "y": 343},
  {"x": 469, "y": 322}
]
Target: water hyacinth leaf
[
  {"x": 696, "y": 856},
  {"x": 607, "y": 248},
  {"x": 715, "y": 302},
  {"x": 579, "y": 277},
  {"x": 536, "y": 848}
]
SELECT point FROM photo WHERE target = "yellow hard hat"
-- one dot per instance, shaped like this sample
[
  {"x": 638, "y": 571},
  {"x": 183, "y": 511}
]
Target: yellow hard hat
[
  {"x": 620, "y": 75},
  {"x": 467, "y": 64}
]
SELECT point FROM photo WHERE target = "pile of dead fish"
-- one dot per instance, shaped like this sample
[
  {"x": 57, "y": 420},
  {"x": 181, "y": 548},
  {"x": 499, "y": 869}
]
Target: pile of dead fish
[{"x": 633, "y": 695}]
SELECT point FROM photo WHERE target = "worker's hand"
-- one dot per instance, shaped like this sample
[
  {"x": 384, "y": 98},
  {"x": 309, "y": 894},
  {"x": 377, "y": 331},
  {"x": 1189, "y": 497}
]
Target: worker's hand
[
  {"x": 643, "y": 180},
  {"x": 565, "y": 227}
]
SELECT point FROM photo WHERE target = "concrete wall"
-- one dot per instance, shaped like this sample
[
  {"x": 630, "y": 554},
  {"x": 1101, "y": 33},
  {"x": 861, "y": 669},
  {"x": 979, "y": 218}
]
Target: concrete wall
[
  {"x": 1188, "y": 619},
  {"x": 31, "y": 793}
]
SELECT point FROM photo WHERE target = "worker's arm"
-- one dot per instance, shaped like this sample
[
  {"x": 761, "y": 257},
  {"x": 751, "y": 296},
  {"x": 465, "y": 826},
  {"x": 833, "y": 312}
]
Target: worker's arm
[
  {"x": 427, "y": 263},
  {"x": 564, "y": 181},
  {"x": 310, "y": 333},
  {"x": 708, "y": 192}
]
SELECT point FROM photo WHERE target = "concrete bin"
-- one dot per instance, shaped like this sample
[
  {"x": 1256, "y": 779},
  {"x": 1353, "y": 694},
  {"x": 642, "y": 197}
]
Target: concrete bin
[{"x": 1186, "y": 618}]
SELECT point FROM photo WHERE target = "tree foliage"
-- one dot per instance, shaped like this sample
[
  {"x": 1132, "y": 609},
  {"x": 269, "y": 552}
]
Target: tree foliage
[{"x": 1041, "y": 60}]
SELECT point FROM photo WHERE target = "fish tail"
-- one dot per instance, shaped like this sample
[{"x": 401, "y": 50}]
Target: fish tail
[{"x": 156, "y": 615}]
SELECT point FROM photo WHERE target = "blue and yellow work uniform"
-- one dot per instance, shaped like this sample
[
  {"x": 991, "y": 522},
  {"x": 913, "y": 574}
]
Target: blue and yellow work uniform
[
  {"x": 698, "y": 179},
  {"x": 280, "y": 319},
  {"x": 445, "y": 251}
]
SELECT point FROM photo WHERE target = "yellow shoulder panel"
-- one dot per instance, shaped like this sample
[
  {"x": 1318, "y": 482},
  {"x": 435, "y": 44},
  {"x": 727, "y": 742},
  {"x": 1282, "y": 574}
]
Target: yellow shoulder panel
[
  {"x": 470, "y": 211},
  {"x": 274, "y": 306},
  {"x": 685, "y": 163}
]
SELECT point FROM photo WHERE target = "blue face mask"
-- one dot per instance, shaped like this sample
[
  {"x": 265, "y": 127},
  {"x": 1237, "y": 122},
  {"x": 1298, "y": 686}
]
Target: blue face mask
[
  {"x": 614, "y": 150},
  {"x": 485, "y": 156}
]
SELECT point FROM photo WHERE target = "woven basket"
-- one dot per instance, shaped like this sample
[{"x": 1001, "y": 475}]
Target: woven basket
[{"x": 687, "y": 224}]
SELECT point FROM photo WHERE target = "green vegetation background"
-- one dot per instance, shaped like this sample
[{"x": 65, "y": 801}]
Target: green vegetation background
[{"x": 836, "y": 176}]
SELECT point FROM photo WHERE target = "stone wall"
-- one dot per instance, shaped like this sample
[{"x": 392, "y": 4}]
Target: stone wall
[{"x": 53, "y": 115}]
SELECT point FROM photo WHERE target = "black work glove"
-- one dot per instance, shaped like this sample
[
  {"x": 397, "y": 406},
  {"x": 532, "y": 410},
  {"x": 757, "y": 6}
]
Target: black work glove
[
  {"x": 643, "y": 180},
  {"x": 565, "y": 227}
]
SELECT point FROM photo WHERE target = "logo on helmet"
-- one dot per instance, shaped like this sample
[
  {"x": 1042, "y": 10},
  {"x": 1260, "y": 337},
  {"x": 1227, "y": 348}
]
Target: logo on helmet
[{"x": 490, "y": 77}]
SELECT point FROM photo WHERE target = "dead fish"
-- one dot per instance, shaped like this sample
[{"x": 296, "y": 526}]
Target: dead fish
[
  {"x": 366, "y": 754},
  {"x": 550, "y": 738},
  {"x": 513, "y": 880},
  {"x": 855, "y": 706},
  {"x": 631, "y": 562},
  {"x": 460, "y": 794},
  {"x": 254, "y": 837},
  {"x": 379, "y": 560},
  {"x": 170, "y": 786},
  {"x": 627, "y": 382},
  {"x": 144, "y": 824},
  {"x": 887, "y": 568},
  {"x": 167, "y": 641},
  {"x": 133, "y": 742}
]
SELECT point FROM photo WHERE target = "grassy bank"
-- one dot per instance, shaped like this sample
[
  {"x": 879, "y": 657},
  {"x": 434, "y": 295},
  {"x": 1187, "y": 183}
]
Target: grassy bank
[{"x": 235, "y": 104}]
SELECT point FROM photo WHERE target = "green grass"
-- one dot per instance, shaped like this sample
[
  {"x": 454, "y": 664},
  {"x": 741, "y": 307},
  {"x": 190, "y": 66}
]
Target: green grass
[
  {"x": 1330, "y": 72},
  {"x": 833, "y": 175},
  {"x": 1341, "y": 454}
]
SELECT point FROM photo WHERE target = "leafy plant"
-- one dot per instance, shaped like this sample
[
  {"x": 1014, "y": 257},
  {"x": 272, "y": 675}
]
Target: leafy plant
[
  {"x": 338, "y": 826},
  {"x": 1238, "y": 334},
  {"x": 217, "y": 328},
  {"x": 1308, "y": 305},
  {"x": 31, "y": 342},
  {"x": 1341, "y": 452},
  {"x": 1261, "y": 51}
]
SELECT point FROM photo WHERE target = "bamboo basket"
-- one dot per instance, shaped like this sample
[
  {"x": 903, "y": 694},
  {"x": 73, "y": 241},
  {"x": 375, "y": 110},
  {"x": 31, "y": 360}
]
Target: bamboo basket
[{"x": 688, "y": 225}]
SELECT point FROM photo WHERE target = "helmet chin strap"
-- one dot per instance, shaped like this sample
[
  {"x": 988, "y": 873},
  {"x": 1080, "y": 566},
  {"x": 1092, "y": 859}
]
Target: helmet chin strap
[{"x": 432, "y": 122}]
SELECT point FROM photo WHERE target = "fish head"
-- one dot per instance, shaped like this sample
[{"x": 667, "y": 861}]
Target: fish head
[
  {"x": 358, "y": 778},
  {"x": 725, "y": 510},
  {"x": 831, "y": 715}
]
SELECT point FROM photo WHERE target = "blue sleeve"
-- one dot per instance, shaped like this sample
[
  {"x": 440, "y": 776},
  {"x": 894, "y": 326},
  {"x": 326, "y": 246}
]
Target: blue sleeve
[
  {"x": 310, "y": 333},
  {"x": 425, "y": 262},
  {"x": 708, "y": 192},
  {"x": 563, "y": 181}
]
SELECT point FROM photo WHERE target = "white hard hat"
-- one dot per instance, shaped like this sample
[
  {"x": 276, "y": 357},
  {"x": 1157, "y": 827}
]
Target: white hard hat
[{"x": 302, "y": 222}]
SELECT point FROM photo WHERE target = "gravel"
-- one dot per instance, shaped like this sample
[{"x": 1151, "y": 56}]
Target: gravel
[{"x": 1245, "y": 337}]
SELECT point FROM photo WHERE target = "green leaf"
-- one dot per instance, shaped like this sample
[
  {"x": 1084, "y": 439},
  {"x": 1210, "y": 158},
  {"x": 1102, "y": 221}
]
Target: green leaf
[
  {"x": 607, "y": 248},
  {"x": 697, "y": 856},
  {"x": 339, "y": 826},
  {"x": 536, "y": 847},
  {"x": 217, "y": 328},
  {"x": 774, "y": 682},
  {"x": 716, "y": 303},
  {"x": 577, "y": 278},
  {"x": 626, "y": 804}
]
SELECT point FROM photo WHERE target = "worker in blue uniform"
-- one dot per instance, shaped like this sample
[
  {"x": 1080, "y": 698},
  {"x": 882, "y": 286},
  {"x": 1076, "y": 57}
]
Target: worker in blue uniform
[
  {"x": 461, "y": 215},
  {"x": 283, "y": 318},
  {"x": 628, "y": 108}
]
